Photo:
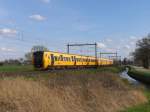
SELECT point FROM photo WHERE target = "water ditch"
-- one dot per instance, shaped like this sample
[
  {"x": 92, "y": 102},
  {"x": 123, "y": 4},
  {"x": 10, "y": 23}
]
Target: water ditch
[{"x": 131, "y": 80}]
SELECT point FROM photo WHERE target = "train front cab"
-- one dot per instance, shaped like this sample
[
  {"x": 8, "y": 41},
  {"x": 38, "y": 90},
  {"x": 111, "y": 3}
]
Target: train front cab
[
  {"x": 41, "y": 60},
  {"x": 38, "y": 59}
]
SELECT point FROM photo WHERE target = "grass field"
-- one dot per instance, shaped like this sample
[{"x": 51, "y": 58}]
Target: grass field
[
  {"x": 29, "y": 72},
  {"x": 29, "y": 68},
  {"x": 16, "y": 68},
  {"x": 142, "y": 75},
  {"x": 86, "y": 90}
]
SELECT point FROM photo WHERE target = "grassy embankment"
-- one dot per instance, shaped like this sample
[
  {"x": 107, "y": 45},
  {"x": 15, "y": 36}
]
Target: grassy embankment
[
  {"x": 93, "y": 90},
  {"x": 142, "y": 75},
  {"x": 141, "y": 108}
]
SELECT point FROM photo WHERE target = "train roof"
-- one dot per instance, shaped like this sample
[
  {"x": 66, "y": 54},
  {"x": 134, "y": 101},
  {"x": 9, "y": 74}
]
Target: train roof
[{"x": 77, "y": 55}]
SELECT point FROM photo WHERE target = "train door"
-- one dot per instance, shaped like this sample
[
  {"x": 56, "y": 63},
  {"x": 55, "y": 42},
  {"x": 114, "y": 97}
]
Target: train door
[
  {"x": 75, "y": 61},
  {"x": 87, "y": 60},
  {"x": 52, "y": 59}
]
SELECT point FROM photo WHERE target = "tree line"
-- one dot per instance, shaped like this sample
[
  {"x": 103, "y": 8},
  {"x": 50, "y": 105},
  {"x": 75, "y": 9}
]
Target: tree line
[
  {"x": 27, "y": 57},
  {"x": 142, "y": 52}
]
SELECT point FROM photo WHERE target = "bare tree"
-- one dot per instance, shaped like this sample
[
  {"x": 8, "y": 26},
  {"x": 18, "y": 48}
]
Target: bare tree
[
  {"x": 28, "y": 56},
  {"x": 142, "y": 52}
]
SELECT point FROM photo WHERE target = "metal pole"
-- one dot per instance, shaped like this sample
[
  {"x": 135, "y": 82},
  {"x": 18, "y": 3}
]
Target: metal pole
[
  {"x": 68, "y": 48},
  {"x": 96, "y": 50},
  {"x": 71, "y": 45},
  {"x": 100, "y": 55},
  {"x": 116, "y": 56},
  {"x": 96, "y": 53},
  {"x": 120, "y": 61}
]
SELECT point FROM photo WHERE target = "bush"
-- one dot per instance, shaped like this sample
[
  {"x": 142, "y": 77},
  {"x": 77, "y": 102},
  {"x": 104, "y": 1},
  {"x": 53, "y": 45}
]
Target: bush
[{"x": 1, "y": 63}]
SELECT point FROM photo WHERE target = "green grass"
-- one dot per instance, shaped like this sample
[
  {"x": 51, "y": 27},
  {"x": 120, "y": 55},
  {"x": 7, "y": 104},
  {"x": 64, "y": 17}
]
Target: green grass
[
  {"x": 28, "y": 71},
  {"x": 16, "y": 68},
  {"x": 27, "y": 68},
  {"x": 101, "y": 70},
  {"x": 113, "y": 69}
]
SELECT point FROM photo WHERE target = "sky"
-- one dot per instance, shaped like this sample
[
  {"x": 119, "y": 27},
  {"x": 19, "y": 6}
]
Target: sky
[{"x": 115, "y": 25}]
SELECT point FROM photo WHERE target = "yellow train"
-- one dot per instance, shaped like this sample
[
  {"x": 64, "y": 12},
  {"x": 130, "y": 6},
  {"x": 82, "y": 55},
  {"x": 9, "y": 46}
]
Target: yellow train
[{"x": 45, "y": 60}]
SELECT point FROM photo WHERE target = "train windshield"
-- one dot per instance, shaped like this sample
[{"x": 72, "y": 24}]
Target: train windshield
[{"x": 38, "y": 59}]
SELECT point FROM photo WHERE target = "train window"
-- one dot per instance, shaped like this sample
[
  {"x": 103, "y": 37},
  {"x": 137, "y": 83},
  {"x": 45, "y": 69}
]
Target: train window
[
  {"x": 55, "y": 57},
  {"x": 72, "y": 58},
  {"x": 61, "y": 58},
  {"x": 66, "y": 58},
  {"x": 58, "y": 58}
]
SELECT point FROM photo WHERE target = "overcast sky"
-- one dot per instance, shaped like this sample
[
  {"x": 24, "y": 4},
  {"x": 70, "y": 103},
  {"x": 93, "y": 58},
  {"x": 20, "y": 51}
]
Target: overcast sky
[{"x": 114, "y": 24}]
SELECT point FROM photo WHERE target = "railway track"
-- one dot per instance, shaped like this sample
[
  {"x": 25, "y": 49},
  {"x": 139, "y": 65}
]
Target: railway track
[{"x": 36, "y": 73}]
